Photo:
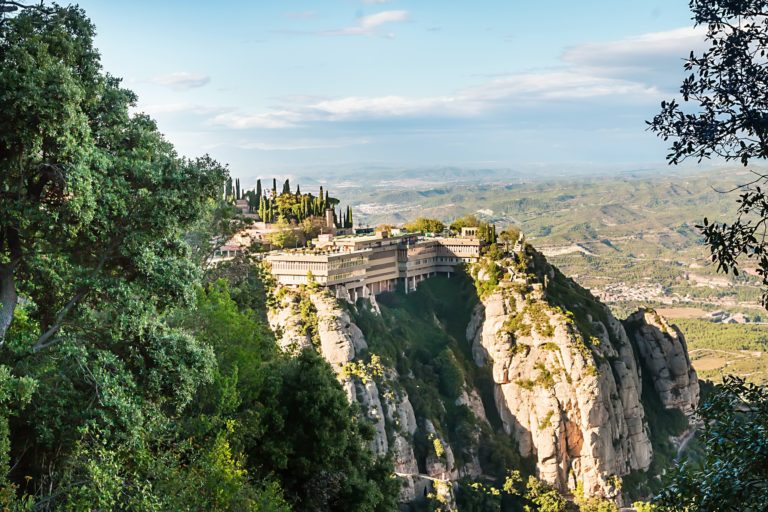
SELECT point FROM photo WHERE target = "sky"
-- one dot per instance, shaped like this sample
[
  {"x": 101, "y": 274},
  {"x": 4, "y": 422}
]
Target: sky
[{"x": 281, "y": 86}]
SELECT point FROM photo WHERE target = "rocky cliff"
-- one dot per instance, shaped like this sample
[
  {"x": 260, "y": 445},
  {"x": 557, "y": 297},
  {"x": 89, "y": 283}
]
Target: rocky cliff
[
  {"x": 663, "y": 350},
  {"x": 514, "y": 367}
]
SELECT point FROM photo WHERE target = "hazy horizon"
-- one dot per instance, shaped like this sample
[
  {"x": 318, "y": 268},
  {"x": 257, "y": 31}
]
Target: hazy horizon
[{"x": 297, "y": 85}]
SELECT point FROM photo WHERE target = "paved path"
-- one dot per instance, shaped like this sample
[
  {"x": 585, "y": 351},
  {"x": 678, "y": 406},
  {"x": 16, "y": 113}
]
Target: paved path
[{"x": 425, "y": 477}]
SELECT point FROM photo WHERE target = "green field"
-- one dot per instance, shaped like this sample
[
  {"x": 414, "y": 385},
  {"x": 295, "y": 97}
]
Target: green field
[{"x": 720, "y": 349}]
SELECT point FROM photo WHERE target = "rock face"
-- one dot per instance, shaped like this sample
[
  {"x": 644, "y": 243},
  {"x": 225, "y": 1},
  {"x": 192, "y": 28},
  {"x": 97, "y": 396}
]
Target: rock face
[
  {"x": 340, "y": 342},
  {"x": 571, "y": 400},
  {"x": 665, "y": 354},
  {"x": 566, "y": 380}
]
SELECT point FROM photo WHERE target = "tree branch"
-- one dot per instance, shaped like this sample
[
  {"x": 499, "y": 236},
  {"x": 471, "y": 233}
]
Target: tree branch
[{"x": 45, "y": 340}]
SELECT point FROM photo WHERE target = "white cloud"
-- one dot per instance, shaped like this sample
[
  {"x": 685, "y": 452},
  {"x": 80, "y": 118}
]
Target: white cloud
[
  {"x": 367, "y": 25},
  {"x": 558, "y": 85},
  {"x": 182, "y": 80},
  {"x": 180, "y": 108},
  {"x": 630, "y": 71},
  {"x": 515, "y": 90},
  {"x": 302, "y": 145},
  {"x": 376, "y": 2},
  {"x": 672, "y": 43},
  {"x": 277, "y": 119},
  {"x": 656, "y": 57}
]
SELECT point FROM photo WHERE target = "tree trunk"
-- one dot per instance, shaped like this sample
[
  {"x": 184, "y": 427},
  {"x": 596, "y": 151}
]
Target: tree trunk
[{"x": 8, "y": 299}]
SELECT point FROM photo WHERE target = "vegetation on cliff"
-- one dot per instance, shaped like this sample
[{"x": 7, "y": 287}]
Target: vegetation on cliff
[{"x": 130, "y": 380}]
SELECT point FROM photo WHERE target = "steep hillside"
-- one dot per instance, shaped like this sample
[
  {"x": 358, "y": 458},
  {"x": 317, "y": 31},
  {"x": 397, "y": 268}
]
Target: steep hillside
[{"x": 510, "y": 366}]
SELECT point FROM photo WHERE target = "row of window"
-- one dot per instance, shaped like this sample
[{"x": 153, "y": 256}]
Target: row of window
[
  {"x": 356, "y": 262},
  {"x": 303, "y": 266}
]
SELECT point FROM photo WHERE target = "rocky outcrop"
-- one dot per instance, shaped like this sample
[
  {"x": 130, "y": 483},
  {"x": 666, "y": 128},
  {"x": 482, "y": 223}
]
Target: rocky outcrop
[
  {"x": 571, "y": 399},
  {"x": 567, "y": 380},
  {"x": 327, "y": 326},
  {"x": 664, "y": 354}
]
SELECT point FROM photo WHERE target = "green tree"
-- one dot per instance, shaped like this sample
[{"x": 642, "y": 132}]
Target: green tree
[
  {"x": 425, "y": 225},
  {"x": 284, "y": 235},
  {"x": 732, "y": 475},
  {"x": 95, "y": 206},
  {"x": 724, "y": 114},
  {"x": 309, "y": 438},
  {"x": 71, "y": 186},
  {"x": 468, "y": 221}
]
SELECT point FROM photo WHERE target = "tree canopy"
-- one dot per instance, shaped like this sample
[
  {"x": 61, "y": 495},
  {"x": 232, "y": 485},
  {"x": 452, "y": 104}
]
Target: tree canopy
[
  {"x": 733, "y": 474},
  {"x": 425, "y": 225},
  {"x": 130, "y": 380},
  {"x": 724, "y": 115}
]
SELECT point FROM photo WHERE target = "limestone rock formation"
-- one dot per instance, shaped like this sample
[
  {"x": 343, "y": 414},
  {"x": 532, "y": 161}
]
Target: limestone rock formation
[
  {"x": 565, "y": 380},
  {"x": 340, "y": 342},
  {"x": 570, "y": 398},
  {"x": 664, "y": 352}
]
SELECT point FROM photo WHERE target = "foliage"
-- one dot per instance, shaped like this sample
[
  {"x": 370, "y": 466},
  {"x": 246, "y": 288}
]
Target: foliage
[
  {"x": 593, "y": 503},
  {"x": 95, "y": 208},
  {"x": 733, "y": 473},
  {"x": 450, "y": 374},
  {"x": 425, "y": 225},
  {"x": 289, "y": 207},
  {"x": 308, "y": 316},
  {"x": 487, "y": 274},
  {"x": 539, "y": 495},
  {"x": 366, "y": 372},
  {"x": 284, "y": 235},
  {"x": 95, "y": 201},
  {"x": 126, "y": 382},
  {"x": 726, "y": 88},
  {"x": 478, "y": 497},
  {"x": 544, "y": 497},
  {"x": 437, "y": 445},
  {"x": 300, "y": 428},
  {"x": 486, "y": 231}
]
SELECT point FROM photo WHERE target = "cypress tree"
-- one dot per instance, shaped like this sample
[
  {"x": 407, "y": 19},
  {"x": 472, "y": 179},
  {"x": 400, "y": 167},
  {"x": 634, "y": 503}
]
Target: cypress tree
[
  {"x": 286, "y": 187},
  {"x": 274, "y": 187},
  {"x": 298, "y": 190},
  {"x": 258, "y": 194},
  {"x": 237, "y": 189}
]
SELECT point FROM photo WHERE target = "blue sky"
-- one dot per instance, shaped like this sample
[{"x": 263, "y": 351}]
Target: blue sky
[{"x": 285, "y": 85}]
